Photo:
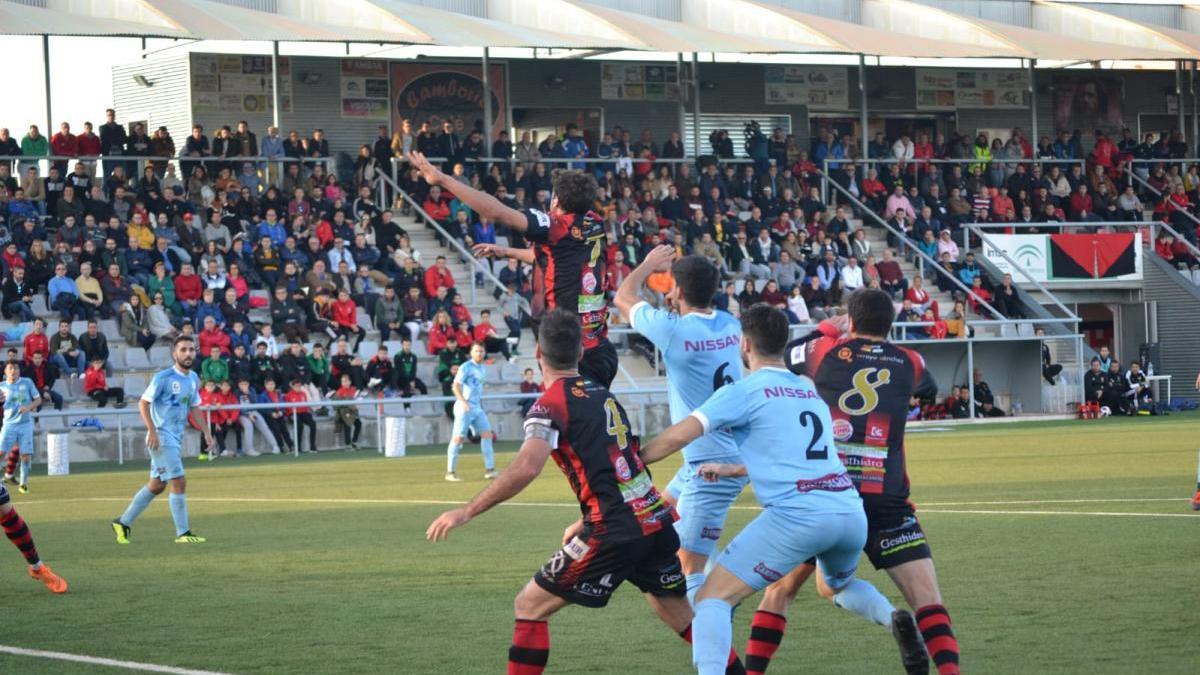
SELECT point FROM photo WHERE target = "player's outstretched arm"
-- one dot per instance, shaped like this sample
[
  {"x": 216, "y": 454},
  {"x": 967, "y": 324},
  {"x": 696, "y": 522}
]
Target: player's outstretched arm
[
  {"x": 628, "y": 293},
  {"x": 525, "y": 255},
  {"x": 515, "y": 478},
  {"x": 480, "y": 202},
  {"x": 671, "y": 440}
]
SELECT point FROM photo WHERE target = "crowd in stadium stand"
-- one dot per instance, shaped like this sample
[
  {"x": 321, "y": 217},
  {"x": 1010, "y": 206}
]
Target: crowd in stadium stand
[{"x": 267, "y": 223}]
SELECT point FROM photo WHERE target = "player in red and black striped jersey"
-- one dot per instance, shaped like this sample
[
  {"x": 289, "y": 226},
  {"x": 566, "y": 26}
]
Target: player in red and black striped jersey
[
  {"x": 567, "y": 255},
  {"x": 867, "y": 383},
  {"x": 625, "y": 532}
]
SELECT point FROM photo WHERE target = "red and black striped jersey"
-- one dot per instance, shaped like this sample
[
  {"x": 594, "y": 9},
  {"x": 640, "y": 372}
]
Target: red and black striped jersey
[
  {"x": 867, "y": 385},
  {"x": 569, "y": 270},
  {"x": 598, "y": 452}
]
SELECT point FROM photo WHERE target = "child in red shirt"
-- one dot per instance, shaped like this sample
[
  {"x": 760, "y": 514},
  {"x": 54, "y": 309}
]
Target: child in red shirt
[
  {"x": 303, "y": 416},
  {"x": 95, "y": 386},
  {"x": 347, "y": 415},
  {"x": 345, "y": 318}
]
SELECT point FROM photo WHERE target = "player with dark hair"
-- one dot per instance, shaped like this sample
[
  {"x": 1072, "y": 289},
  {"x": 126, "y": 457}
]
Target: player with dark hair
[
  {"x": 567, "y": 255},
  {"x": 867, "y": 383},
  {"x": 785, "y": 435},
  {"x": 700, "y": 348},
  {"x": 167, "y": 406},
  {"x": 625, "y": 532}
]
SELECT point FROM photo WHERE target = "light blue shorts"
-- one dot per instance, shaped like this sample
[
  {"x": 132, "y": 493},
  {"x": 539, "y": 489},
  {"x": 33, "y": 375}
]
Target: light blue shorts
[
  {"x": 475, "y": 418},
  {"x": 777, "y": 540},
  {"x": 703, "y": 506},
  {"x": 17, "y": 434},
  {"x": 167, "y": 463}
]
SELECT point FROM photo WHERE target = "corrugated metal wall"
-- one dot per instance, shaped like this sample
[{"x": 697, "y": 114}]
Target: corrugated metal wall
[
  {"x": 167, "y": 102},
  {"x": 1163, "y": 15},
  {"x": 1016, "y": 12},
  {"x": 472, "y": 7},
  {"x": 842, "y": 10},
  {"x": 1178, "y": 325},
  {"x": 259, "y": 5},
  {"x": 662, "y": 9}
]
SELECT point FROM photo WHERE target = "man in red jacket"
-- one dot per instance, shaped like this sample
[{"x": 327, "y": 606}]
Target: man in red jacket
[
  {"x": 37, "y": 342},
  {"x": 188, "y": 288},
  {"x": 438, "y": 275},
  {"x": 89, "y": 147},
  {"x": 211, "y": 336},
  {"x": 64, "y": 144},
  {"x": 345, "y": 318}
]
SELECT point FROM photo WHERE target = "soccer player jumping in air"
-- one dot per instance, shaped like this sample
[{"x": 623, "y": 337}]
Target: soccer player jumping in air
[
  {"x": 625, "y": 532},
  {"x": 469, "y": 414},
  {"x": 701, "y": 348},
  {"x": 567, "y": 255},
  {"x": 867, "y": 383},
  {"x": 785, "y": 434},
  {"x": 166, "y": 406},
  {"x": 21, "y": 398}
]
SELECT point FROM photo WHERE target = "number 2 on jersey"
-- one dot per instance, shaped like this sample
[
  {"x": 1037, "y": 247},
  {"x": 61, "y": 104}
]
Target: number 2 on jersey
[
  {"x": 813, "y": 453},
  {"x": 616, "y": 427}
]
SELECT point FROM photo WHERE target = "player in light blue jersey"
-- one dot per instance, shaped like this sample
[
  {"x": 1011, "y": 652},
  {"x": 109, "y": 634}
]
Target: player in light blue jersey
[
  {"x": 784, "y": 431},
  {"x": 469, "y": 414},
  {"x": 701, "y": 347},
  {"x": 21, "y": 398},
  {"x": 166, "y": 407}
]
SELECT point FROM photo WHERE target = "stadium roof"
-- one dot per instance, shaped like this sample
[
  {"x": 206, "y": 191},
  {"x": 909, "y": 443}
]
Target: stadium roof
[
  {"x": 26, "y": 20},
  {"x": 452, "y": 29},
  {"x": 935, "y": 23},
  {"x": 1094, "y": 24}
]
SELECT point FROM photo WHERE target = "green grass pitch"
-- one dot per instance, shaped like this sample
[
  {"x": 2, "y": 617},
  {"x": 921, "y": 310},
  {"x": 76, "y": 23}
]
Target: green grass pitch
[{"x": 1061, "y": 547}]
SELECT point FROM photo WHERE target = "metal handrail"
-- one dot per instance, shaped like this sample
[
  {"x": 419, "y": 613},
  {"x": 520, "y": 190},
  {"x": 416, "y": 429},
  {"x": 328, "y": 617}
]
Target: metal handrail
[
  {"x": 1158, "y": 193},
  {"x": 454, "y": 243},
  {"x": 904, "y": 241},
  {"x": 577, "y": 160}
]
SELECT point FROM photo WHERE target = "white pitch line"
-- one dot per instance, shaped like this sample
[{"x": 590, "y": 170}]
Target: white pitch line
[
  {"x": 1056, "y": 501},
  {"x": 450, "y": 502},
  {"x": 98, "y": 661}
]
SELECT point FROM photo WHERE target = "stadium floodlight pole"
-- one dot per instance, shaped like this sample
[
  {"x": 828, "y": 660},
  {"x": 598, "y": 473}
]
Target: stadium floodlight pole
[
  {"x": 1033, "y": 120},
  {"x": 46, "y": 69},
  {"x": 275, "y": 83},
  {"x": 486, "y": 79},
  {"x": 862, "y": 93}
]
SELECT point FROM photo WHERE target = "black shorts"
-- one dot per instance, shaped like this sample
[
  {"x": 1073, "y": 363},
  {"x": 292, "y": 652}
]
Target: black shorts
[
  {"x": 599, "y": 364},
  {"x": 587, "y": 570},
  {"x": 894, "y": 535}
]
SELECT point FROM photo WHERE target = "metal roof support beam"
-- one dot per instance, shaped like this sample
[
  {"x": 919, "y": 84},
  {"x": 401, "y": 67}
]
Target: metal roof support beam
[
  {"x": 695, "y": 105},
  {"x": 1195, "y": 111},
  {"x": 1033, "y": 120},
  {"x": 49, "y": 131},
  {"x": 682, "y": 93},
  {"x": 487, "y": 103},
  {"x": 275, "y": 83},
  {"x": 863, "y": 133},
  {"x": 1179, "y": 107}
]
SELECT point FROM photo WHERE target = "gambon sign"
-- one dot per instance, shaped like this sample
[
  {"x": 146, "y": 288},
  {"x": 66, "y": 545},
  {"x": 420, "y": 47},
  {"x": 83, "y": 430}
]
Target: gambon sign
[{"x": 426, "y": 90}]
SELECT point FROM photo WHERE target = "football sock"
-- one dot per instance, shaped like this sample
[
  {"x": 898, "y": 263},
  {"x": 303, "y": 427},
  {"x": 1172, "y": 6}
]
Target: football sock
[
  {"x": 766, "y": 632},
  {"x": 489, "y": 456},
  {"x": 934, "y": 622},
  {"x": 865, "y": 600},
  {"x": 10, "y": 467},
  {"x": 713, "y": 636},
  {"x": 530, "y": 648},
  {"x": 178, "y": 503},
  {"x": 452, "y": 451},
  {"x": 694, "y": 582},
  {"x": 18, "y": 534},
  {"x": 139, "y": 503},
  {"x": 732, "y": 667},
  {"x": 26, "y": 461}
]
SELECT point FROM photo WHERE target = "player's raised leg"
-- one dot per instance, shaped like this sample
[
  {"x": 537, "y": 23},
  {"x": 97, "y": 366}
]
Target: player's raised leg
[
  {"x": 530, "y": 650},
  {"x": 10, "y": 466},
  {"x": 25, "y": 445},
  {"x": 769, "y": 623},
  {"x": 18, "y": 533},
  {"x": 917, "y": 580}
]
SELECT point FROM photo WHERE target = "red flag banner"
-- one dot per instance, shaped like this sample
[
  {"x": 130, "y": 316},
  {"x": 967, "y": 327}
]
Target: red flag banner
[{"x": 1092, "y": 256}]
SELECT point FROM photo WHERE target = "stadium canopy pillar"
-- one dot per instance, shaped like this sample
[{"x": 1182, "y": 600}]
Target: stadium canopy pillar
[
  {"x": 863, "y": 132},
  {"x": 1179, "y": 105},
  {"x": 695, "y": 104},
  {"x": 487, "y": 103},
  {"x": 682, "y": 97},
  {"x": 1033, "y": 120},
  {"x": 275, "y": 83},
  {"x": 46, "y": 68},
  {"x": 1195, "y": 112}
]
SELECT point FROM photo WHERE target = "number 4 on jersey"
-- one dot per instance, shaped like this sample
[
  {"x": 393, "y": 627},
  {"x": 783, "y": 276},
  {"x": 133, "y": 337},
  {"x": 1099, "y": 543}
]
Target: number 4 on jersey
[{"x": 616, "y": 426}]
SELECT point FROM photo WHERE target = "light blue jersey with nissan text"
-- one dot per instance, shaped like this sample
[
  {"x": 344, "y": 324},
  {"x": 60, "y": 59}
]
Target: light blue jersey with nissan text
[
  {"x": 785, "y": 434},
  {"x": 172, "y": 395},
  {"x": 16, "y": 396},
  {"x": 702, "y": 352}
]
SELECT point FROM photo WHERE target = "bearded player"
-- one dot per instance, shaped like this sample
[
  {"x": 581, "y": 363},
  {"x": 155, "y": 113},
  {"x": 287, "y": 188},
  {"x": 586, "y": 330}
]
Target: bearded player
[
  {"x": 700, "y": 346},
  {"x": 166, "y": 407},
  {"x": 625, "y": 532},
  {"x": 567, "y": 255},
  {"x": 867, "y": 383}
]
